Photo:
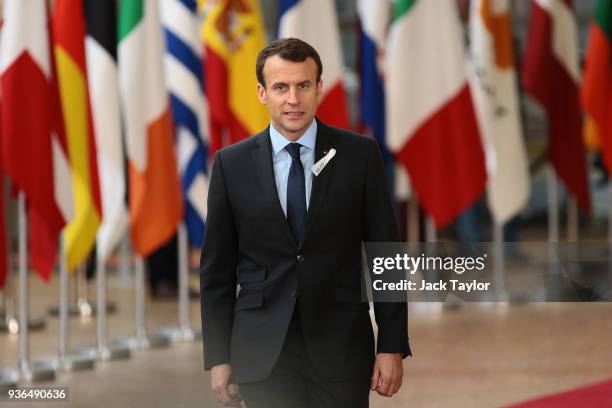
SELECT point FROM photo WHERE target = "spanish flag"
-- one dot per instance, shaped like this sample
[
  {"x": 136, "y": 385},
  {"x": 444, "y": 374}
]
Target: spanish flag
[
  {"x": 69, "y": 50},
  {"x": 233, "y": 34},
  {"x": 155, "y": 199}
]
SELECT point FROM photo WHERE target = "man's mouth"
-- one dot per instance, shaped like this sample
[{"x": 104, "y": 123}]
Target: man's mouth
[{"x": 294, "y": 114}]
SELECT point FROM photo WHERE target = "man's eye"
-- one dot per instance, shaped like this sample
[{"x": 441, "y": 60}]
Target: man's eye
[
  {"x": 280, "y": 87},
  {"x": 305, "y": 85}
]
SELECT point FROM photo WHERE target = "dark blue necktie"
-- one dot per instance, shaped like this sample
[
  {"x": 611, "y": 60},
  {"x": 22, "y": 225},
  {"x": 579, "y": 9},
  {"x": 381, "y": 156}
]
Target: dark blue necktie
[{"x": 296, "y": 191}]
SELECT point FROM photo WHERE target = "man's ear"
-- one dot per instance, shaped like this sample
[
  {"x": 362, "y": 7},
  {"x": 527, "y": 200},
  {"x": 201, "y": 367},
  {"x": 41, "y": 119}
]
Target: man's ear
[
  {"x": 320, "y": 89},
  {"x": 261, "y": 93}
]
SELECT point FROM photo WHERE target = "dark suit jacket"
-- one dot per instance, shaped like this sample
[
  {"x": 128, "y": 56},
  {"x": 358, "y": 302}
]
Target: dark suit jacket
[{"x": 249, "y": 243}]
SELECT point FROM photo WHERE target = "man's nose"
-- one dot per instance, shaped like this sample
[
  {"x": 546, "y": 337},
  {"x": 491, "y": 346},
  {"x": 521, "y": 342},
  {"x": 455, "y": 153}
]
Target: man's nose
[{"x": 293, "y": 97}]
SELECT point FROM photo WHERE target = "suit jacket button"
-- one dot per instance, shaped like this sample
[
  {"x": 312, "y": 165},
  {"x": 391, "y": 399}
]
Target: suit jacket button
[
  {"x": 294, "y": 293},
  {"x": 300, "y": 258}
]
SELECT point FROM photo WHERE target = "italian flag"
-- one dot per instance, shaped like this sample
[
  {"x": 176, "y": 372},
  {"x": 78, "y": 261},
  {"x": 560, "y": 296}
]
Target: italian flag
[
  {"x": 431, "y": 124},
  {"x": 155, "y": 202},
  {"x": 597, "y": 84}
]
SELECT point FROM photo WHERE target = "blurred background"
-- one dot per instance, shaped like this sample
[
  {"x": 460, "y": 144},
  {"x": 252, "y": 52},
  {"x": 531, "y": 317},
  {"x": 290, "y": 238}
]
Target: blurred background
[{"x": 494, "y": 119}]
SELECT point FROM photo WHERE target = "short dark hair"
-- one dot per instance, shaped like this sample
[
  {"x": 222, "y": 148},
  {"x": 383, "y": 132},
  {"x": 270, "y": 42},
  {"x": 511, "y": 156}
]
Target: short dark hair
[{"x": 290, "y": 49}]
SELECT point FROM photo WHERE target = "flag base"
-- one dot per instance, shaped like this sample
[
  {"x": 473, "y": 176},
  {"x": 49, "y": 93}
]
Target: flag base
[
  {"x": 181, "y": 335},
  {"x": 8, "y": 379},
  {"x": 82, "y": 308},
  {"x": 11, "y": 324},
  {"x": 38, "y": 371}
]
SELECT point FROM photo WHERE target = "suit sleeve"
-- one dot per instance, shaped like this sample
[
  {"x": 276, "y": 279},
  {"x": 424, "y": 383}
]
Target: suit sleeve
[
  {"x": 381, "y": 226},
  {"x": 218, "y": 271}
]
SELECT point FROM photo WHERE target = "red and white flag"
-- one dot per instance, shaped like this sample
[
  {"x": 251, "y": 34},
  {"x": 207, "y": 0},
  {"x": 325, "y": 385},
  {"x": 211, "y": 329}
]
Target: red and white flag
[
  {"x": 551, "y": 75},
  {"x": 315, "y": 22},
  {"x": 33, "y": 156}
]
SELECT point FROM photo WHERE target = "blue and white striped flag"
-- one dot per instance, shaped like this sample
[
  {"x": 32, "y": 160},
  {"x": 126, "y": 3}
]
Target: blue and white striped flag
[{"x": 184, "y": 78}]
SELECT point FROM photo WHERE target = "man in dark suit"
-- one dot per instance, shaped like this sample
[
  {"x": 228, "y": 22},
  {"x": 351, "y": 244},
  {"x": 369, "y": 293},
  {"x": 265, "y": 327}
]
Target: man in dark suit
[{"x": 290, "y": 237}]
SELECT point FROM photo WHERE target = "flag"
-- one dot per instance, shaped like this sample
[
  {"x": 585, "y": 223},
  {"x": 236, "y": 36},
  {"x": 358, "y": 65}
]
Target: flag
[
  {"x": 155, "y": 203},
  {"x": 100, "y": 47},
  {"x": 183, "y": 66},
  {"x": 596, "y": 92},
  {"x": 32, "y": 155},
  {"x": 431, "y": 123},
  {"x": 493, "y": 84},
  {"x": 551, "y": 75},
  {"x": 374, "y": 18},
  {"x": 233, "y": 34},
  {"x": 69, "y": 46},
  {"x": 315, "y": 22},
  {"x": 3, "y": 254}
]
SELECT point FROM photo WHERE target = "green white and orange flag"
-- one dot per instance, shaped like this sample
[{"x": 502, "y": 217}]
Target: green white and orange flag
[
  {"x": 596, "y": 93},
  {"x": 69, "y": 48},
  {"x": 494, "y": 88},
  {"x": 155, "y": 202}
]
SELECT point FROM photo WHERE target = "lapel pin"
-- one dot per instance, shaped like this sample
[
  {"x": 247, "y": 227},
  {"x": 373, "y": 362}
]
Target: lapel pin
[{"x": 320, "y": 165}]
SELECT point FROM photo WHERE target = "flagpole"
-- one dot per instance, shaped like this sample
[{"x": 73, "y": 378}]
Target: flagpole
[
  {"x": 184, "y": 332},
  {"x": 67, "y": 361},
  {"x": 142, "y": 339},
  {"x": 499, "y": 262},
  {"x": 28, "y": 372},
  {"x": 553, "y": 229},
  {"x": 431, "y": 234},
  {"x": 105, "y": 352},
  {"x": 24, "y": 340},
  {"x": 413, "y": 220},
  {"x": 431, "y": 237},
  {"x": 124, "y": 260},
  {"x": 610, "y": 230},
  {"x": 8, "y": 377},
  {"x": 101, "y": 327},
  {"x": 85, "y": 307},
  {"x": 9, "y": 321},
  {"x": 572, "y": 220},
  {"x": 184, "y": 318}
]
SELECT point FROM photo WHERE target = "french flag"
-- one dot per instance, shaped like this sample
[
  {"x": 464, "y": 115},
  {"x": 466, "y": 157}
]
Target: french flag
[
  {"x": 374, "y": 17},
  {"x": 315, "y": 22}
]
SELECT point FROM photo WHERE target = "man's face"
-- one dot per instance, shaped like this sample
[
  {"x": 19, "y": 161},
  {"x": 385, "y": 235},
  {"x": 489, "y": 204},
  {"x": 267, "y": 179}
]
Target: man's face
[{"x": 291, "y": 94}]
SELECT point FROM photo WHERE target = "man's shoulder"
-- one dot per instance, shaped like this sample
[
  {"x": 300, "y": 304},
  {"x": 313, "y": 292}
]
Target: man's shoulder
[
  {"x": 348, "y": 138},
  {"x": 241, "y": 148}
]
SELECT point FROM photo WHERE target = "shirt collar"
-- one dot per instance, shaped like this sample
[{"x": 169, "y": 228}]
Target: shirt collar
[{"x": 307, "y": 139}]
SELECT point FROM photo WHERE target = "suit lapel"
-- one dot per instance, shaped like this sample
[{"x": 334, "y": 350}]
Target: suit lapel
[
  {"x": 319, "y": 183},
  {"x": 262, "y": 158}
]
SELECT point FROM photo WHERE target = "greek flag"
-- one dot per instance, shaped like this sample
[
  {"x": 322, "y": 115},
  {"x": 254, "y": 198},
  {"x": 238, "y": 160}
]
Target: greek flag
[{"x": 184, "y": 78}]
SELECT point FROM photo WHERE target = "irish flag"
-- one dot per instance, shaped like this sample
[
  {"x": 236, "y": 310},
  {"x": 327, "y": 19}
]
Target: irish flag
[
  {"x": 494, "y": 86},
  {"x": 315, "y": 22},
  {"x": 597, "y": 84},
  {"x": 431, "y": 124},
  {"x": 155, "y": 202},
  {"x": 551, "y": 75}
]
